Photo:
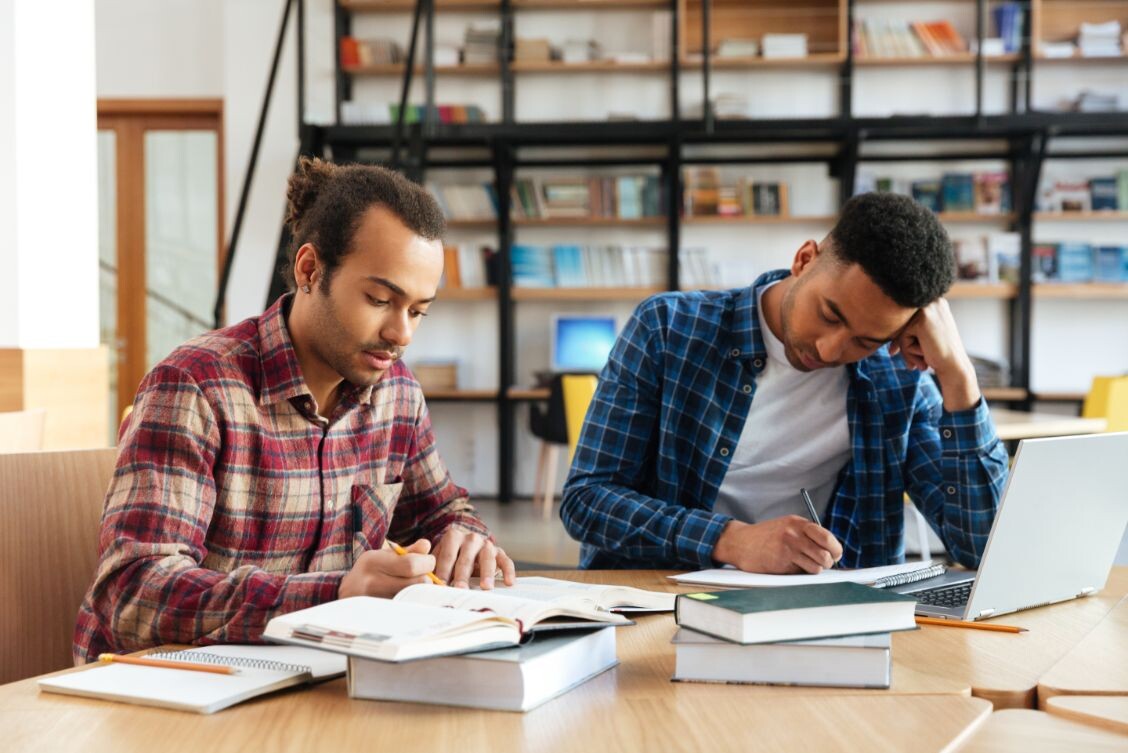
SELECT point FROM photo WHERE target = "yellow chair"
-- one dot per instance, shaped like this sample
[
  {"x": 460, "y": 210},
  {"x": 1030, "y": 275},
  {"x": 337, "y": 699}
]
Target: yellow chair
[
  {"x": 559, "y": 424},
  {"x": 1108, "y": 399},
  {"x": 578, "y": 392}
]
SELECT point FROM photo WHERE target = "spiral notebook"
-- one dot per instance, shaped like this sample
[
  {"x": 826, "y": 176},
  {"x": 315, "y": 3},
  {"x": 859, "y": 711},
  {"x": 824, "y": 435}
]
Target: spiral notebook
[
  {"x": 879, "y": 577},
  {"x": 262, "y": 669}
]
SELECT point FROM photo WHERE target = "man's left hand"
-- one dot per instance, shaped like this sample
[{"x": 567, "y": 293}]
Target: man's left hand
[
  {"x": 460, "y": 554},
  {"x": 932, "y": 341}
]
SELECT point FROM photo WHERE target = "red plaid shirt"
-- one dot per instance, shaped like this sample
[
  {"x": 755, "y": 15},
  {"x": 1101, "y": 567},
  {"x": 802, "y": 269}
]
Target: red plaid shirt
[{"x": 233, "y": 501}]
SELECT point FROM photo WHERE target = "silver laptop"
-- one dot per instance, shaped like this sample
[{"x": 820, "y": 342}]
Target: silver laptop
[{"x": 1055, "y": 536}]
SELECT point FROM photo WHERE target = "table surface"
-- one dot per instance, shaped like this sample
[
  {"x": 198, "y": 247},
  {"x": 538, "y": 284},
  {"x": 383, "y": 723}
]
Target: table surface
[
  {"x": 633, "y": 706},
  {"x": 1096, "y": 665},
  {"x": 1012, "y": 424},
  {"x": 1026, "y": 730},
  {"x": 1106, "y": 711}
]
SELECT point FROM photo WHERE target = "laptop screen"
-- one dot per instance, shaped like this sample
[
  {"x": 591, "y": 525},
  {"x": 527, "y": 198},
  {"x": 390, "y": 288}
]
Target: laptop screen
[{"x": 581, "y": 342}]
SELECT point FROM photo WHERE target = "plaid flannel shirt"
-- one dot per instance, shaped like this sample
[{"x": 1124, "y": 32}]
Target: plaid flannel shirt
[
  {"x": 669, "y": 411},
  {"x": 232, "y": 501}
]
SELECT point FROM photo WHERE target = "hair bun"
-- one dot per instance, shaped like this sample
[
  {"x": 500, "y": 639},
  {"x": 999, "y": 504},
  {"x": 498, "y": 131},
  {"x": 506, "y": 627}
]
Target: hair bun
[{"x": 304, "y": 187}]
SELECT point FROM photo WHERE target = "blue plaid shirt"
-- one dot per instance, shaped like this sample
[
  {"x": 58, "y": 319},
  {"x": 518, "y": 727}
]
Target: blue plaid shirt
[{"x": 668, "y": 414}]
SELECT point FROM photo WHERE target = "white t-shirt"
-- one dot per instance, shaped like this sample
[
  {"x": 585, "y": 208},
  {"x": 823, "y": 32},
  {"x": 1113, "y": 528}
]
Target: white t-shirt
[{"x": 796, "y": 435}]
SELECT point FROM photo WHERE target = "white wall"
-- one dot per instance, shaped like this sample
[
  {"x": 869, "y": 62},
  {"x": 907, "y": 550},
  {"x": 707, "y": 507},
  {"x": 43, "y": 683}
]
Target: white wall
[{"x": 48, "y": 175}]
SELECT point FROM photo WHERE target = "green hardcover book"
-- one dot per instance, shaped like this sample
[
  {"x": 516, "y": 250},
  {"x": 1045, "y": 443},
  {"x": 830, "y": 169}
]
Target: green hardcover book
[
  {"x": 792, "y": 613},
  {"x": 1122, "y": 190}
]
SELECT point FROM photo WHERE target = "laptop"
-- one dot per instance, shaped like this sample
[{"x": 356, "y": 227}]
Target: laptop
[{"x": 1055, "y": 536}]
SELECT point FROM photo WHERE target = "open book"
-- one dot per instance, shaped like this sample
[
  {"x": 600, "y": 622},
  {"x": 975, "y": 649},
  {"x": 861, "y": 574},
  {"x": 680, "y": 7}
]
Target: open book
[
  {"x": 261, "y": 669},
  {"x": 427, "y": 620},
  {"x": 611, "y": 598}
]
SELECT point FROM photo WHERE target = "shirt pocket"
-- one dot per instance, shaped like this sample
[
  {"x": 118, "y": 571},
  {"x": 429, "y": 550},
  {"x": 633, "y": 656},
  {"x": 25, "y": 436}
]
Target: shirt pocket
[{"x": 372, "y": 507}]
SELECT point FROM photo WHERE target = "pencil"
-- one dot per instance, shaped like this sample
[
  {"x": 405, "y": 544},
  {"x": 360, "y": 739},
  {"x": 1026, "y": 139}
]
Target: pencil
[
  {"x": 970, "y": 625},
  {"x": 165, "y": 663},
  {"x": 401, "y": 551}
]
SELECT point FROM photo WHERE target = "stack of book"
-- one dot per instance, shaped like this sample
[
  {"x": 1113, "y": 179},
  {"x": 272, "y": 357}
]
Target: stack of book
[
  {"x": 624, "y": 197},
  {"x": 784, "y": 45},
  {"x": 509, "y": 649},
  {"x": 827, "y": 634},
  {"x": 706, "y": 195},
  {"x": 356, "y": 53},
  {"x": 890, "y": 38},
  {"x": 576, "y": 266},
  {"x": 481, "y": 43},
  {"x": 1100, "y": 194},
  {"x": 1099, "y": 40},
  {"x": 1079, "y": 262}
]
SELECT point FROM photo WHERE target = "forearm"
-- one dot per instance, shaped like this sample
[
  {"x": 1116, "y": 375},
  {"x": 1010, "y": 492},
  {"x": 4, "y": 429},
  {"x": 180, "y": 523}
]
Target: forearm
[
  {"x": 157, "y": 597},
  {"x": 959, "y": 386},
  {"x": 625, "y": 522}
]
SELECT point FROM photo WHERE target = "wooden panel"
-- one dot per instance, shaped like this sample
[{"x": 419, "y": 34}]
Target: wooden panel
[
  {"x": 22, "y": 430},
  {"x": 1060, "y": 20},
  {"x": 821, "y": 20},
  {"x": 1024, "y": 730},
  {"x": 50, "y": 504},
  {"x": 73, "y": 386}
]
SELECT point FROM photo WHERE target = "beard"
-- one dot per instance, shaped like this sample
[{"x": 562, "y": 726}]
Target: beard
[{"x": 346, "y": 357}]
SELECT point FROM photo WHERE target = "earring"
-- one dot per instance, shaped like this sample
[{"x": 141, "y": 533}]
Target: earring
[{"x": 305, "y": 288}]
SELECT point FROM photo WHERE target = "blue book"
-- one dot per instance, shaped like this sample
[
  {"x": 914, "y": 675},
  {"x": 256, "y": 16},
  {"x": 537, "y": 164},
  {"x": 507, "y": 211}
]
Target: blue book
[
  {"x": 1103, "y": 194},
  {"x": 1110, "y": 264},
  {"x": 630, "y": 197},
  {"x": 927, "y": 193},
  {"x": 1075, "y": 262},
  {"x": 532, "y": 267},
  {"x": 569, "y": 266},
  {"x": 957, "y": 192}
]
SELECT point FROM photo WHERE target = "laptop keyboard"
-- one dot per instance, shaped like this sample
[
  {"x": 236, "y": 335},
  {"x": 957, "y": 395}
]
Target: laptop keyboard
[{"x": 949, "y": 596}]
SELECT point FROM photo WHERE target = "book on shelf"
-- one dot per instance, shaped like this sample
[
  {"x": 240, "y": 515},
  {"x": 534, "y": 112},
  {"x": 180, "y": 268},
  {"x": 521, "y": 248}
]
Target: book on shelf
[
  {"x": 735, "y": 47},
  {"x": 856, "y": 661},
  {"x": 625, "y": 197},
  {"x": 1043, "y": 261},
  {"x": 957, "y": 192},
  {"x": 1110, "y": 263},
  {"x": 538, "y": 50},
  {"x": 570, "y": 265},
  {"x": 261, "y": 670},
  {"x": 470, "y": 201},
  {"x": 1069, "y": 196},
  {"x": 990, "y": 258},
  {"x": 426, "y": 620},
  {"x": 1099, "y": 39},
  {"x": 1075, "y": 262},
  {"x": 927, "y": 193},
  {"x": 467, "y": 266},
  {"x": 482, "y": 42},
  {"x": 990, "y": 191},
  {"x": 777, "y": 46},
  {"x": 1009, "y": 19},
  {"x": 1103, "y": 194},
  {"x": 1122, "y": 190},
  {"x": 355, "y": 53},
  {"x": 512, "y": 679},
  {"x": 356, "y": 112},
  {"x": 787, "y": 613}
]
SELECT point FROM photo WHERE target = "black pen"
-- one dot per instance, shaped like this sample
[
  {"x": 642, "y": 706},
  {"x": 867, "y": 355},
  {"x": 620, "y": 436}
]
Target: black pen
[{"x": 814, "y": 515}]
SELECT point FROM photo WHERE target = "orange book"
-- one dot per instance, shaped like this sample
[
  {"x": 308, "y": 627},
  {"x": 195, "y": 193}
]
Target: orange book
[
  {"x": 930, "y": 42},
  {"x": 350, "y": 52},
  {"x": 452, "y": 278}
]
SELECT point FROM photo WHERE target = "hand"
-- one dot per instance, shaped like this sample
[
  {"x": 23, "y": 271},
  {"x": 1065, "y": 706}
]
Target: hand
[
  {"x": 790, "y": 544},
  {"x": 382, "y": 572},
  {"x": 932, "y": 341},
  {"x": 461, "y": 553}
]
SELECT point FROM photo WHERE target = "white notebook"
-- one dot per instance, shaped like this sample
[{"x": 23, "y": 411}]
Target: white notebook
[
  {"x": 887, "y": 575},
  {"x": 261, "y": 669}
]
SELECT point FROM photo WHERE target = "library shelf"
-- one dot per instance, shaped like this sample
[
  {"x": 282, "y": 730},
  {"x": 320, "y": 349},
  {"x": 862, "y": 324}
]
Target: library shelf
[
  {"x": 1059, "y": 397},
  {"x": 1082, "y": 290},
  {"x": 467, "y": 294},
  {"x": 396, "y": 69},
  {"x": 528, "y": 393},
  {"x": 998, "y": 290},
  {"x": 406, "y": 6},
  {"x": 584, "y": 294},
  {"x": 813, "y": 60},
  {"x": 963, "y": 58},
  {"x": 1098, "y": 216},
  {"x": 1005, "y": 394},
  {"x": 590, "y": 222},
  {"x": 760, "y": 219},
  {"x": 439, "y": 396},
  {"x": 589, "y": 66},
  {"x": 975, "y": 217}
]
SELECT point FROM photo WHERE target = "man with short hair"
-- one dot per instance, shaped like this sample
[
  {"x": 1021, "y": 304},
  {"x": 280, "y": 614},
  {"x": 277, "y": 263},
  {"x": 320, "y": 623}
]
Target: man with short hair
[
  {"x": 265, "y": 465},
  {"x": 716, "y": 408}
]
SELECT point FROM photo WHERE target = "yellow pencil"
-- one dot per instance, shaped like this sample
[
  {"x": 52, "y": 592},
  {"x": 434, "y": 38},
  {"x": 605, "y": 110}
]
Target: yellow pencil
[
  {"x": 401, "y": 551},
  {"x": 971, "y": 625},
  {"x": 165, "y": 663}
]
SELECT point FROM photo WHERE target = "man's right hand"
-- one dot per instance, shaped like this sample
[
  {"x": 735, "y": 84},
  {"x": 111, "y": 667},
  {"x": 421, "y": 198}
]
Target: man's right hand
[
  {"x": 382, "y": 572},
  {"x": 790, "y": 544}
]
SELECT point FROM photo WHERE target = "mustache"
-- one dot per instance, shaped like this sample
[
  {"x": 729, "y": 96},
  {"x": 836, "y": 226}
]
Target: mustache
[{"x": 395, "y": 350}]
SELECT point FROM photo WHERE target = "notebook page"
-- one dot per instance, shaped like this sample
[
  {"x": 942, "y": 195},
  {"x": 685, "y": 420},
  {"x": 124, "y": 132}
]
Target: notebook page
[
  {"x": 529, "y": 612},
  {"x": 537, "y": 588},
  {"x": 728, "y": 577},
  {"x": 322, "y": 664}
]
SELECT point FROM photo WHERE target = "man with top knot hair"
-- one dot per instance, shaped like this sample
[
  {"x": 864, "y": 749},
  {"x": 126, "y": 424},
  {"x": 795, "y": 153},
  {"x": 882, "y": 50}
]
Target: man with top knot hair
[{"x": 265, "y": 464}]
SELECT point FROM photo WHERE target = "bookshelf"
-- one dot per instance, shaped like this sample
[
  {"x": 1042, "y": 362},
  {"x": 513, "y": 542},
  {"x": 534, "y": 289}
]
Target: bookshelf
[{"x": 1022, "y": 130}]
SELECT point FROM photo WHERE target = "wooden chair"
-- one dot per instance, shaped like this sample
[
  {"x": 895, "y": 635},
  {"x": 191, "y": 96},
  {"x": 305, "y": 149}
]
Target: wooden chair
[
  {"x": 51, "y": 508},
  {"x": 22, "y": 430},
  {"x": 1108, "y": 399}
]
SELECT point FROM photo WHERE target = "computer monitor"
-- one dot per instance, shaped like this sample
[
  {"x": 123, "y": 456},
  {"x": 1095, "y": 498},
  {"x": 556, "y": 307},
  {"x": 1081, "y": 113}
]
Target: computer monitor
[{"x": 581, "y": 342}]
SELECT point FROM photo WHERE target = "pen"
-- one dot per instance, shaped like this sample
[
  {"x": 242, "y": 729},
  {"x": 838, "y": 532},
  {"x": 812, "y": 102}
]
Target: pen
[
  {"x": 968, "y": 624},
  {"x": 401, "y": 551},
  {"x": 814, "y": 515},
  {"x": 165, "y": 663}
]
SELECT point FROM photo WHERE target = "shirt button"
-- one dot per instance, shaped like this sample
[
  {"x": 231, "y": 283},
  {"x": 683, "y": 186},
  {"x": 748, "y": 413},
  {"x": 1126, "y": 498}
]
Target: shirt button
[
  {"x": 951, "y": 490},
  {"x": 747, "y": 389},
  {"x": 724, "y": 452},
  {"x": 734, "y": 352},
  {"x": 758, "y": 362},
  {"x": 947, "y": 433}
]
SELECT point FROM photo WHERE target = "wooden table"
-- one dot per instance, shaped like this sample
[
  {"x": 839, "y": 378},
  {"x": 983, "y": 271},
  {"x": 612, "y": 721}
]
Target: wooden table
[
  {"x": 1097, "y": 665},
  {"x": 632, "y": 707},
  {"x": 1106, "y": 711},
  {"x": 1025, "y": 730},
  {"x": 1013, "y": 425},
  {"x": 1005, "y": 668}
]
